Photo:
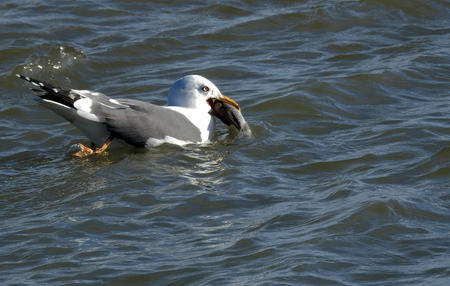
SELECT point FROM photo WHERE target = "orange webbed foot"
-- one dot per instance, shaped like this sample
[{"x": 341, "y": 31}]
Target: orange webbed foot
[{"x": 84, "y": 151}]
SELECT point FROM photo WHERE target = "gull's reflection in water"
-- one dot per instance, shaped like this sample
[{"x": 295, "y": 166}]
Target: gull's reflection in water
[
  {"x": 167, "y": 173},
  {"x": 201, "y": 166},
  {"x": 164, "y": 170}
]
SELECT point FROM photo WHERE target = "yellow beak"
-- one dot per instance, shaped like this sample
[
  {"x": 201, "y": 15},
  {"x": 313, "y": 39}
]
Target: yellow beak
[{"x": 226, "y": 99}]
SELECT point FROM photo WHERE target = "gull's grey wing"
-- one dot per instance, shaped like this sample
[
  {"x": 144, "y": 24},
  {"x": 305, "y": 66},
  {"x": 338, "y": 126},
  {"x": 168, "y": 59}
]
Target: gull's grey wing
[{"x": 137, "y": 121}]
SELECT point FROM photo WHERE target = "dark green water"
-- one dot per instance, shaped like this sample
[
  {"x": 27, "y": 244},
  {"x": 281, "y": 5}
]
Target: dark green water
[{"x": 347, "y": 181}]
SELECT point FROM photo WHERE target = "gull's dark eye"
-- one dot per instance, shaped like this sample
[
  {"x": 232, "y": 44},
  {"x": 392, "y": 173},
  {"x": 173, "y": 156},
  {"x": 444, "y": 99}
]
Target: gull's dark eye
[{"x": 205, "y": 88}]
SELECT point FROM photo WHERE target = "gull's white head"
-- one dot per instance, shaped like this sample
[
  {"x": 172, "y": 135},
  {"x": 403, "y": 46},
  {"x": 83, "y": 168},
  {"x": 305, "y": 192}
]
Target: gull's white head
[{"x": 194, "y": 91}]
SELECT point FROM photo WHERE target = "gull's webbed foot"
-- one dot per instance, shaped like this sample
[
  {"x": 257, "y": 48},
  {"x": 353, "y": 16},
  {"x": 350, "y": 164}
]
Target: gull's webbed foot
[{"x": 84, "y": 151}]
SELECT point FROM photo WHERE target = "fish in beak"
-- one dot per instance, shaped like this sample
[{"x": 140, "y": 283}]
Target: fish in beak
[{"x": 229, "y": 112}]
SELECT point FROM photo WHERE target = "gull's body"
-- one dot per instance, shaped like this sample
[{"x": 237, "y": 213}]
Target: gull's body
[{"x": 185, "y": 119}]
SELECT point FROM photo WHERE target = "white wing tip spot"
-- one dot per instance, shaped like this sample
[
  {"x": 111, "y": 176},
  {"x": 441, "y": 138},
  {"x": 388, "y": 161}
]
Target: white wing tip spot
[{"x": 83, "y": 104}]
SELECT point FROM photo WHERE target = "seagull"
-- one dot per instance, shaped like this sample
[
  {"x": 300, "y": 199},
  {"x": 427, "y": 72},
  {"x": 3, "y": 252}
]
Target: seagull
[{"x": 187, "y": 118}]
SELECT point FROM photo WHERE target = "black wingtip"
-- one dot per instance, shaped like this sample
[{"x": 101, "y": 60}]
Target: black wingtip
[
  {"x": 32, "y": 81},
  {"x": 47, "y": 91},
  {"x": 23, "y": 77},
  {"x": 42, "y": 85}
]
